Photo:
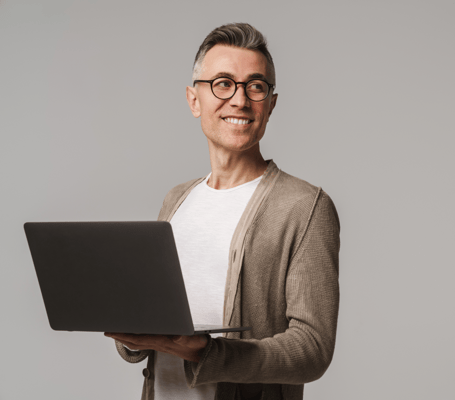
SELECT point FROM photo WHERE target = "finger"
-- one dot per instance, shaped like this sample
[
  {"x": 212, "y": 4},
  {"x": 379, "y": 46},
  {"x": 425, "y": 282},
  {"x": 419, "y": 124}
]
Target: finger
[
  {"x": 144, "y": 342},
  {"x": 191, "y": 341},
  {"x": 131, "y": 346},
  {"x": 132, "y": 341},
  {"x": 116, "y": 335},
  {"x": 177, "y": 338},
  {"x": 125, "y": 336}
]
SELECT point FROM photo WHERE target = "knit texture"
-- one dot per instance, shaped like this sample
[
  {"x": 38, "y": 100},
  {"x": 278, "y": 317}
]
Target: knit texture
[{"x": 283, "y": 277}]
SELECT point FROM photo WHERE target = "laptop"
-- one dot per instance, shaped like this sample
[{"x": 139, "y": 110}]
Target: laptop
[{"x": 113, "y": 277}]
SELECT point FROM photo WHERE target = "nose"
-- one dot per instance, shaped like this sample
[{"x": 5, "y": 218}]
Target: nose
[{"x": 239, "y": 99}]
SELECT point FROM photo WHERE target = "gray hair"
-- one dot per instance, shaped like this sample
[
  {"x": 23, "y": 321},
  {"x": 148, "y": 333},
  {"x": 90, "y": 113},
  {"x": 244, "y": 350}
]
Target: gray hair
[{"x": 239, "y": 35}]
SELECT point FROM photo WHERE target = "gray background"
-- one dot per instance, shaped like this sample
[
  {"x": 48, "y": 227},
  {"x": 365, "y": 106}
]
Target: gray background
[{"x": 95, "y": 126}]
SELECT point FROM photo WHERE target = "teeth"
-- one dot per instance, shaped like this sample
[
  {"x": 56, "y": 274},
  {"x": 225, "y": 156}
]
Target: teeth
[{"x": 237, "y": 121}]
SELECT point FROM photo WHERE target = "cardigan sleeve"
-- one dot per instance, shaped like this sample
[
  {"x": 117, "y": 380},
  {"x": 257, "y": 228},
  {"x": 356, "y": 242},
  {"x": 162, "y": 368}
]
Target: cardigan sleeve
[
  {"x": 304, "y": 351},
  {"x": 131, "y": 356}
]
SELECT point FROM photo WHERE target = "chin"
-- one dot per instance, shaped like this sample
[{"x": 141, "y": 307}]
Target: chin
[{"x": 238, "y": 145}]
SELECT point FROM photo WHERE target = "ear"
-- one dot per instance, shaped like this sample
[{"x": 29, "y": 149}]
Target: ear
[
  {"x": 272, "y": 104},
  {"x": 193, "y": 101}
]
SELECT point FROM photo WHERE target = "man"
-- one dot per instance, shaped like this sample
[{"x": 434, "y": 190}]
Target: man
[{"x": 258, "y": 247}]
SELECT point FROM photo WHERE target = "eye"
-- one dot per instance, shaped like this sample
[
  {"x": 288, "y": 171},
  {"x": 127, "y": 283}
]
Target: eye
[
  {"x": 223, "y": 83},
  {"x": 257, "y": 87}
]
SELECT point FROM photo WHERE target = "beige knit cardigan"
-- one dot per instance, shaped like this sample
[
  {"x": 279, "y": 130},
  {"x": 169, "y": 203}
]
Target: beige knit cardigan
[{"x": 282, "y": 281}]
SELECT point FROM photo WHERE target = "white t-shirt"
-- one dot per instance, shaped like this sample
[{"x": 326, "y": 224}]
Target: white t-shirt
[{"x": 203, "y": 227}]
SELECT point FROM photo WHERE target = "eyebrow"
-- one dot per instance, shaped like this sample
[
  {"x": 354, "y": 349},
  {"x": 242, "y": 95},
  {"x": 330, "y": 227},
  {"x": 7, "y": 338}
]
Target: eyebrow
[{"x": 256, "y": 75}]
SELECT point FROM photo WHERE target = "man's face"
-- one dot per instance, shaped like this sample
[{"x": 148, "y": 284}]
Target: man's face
[{"x": 217, "y": 115}]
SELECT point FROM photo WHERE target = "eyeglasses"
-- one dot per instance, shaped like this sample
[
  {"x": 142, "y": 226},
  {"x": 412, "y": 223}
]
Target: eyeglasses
[{"x": 224, "y": 88}]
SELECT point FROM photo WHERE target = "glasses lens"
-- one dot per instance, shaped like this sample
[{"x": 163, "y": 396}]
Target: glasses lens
[
  {"x": 257, "y": 90},
  {"x": 223, "y": 88}
]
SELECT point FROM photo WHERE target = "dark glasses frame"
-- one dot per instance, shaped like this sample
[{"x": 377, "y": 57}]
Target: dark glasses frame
[{"x": 270, "y": 85}]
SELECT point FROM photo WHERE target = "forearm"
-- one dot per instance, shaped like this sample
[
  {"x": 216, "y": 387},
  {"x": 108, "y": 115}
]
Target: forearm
[{"x": 294, "y": 357}]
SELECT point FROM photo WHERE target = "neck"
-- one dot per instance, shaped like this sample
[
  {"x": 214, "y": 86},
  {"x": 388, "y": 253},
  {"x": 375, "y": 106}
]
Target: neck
[{"x": 235, "y": 168}]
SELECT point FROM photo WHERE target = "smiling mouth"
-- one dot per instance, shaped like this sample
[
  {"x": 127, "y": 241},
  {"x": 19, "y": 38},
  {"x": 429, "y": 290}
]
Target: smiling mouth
[{"x": 238, "y": 121}]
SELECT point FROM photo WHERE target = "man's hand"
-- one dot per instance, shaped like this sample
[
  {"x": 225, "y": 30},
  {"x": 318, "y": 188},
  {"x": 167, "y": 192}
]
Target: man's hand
[{"x": 186, "y": 347}]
